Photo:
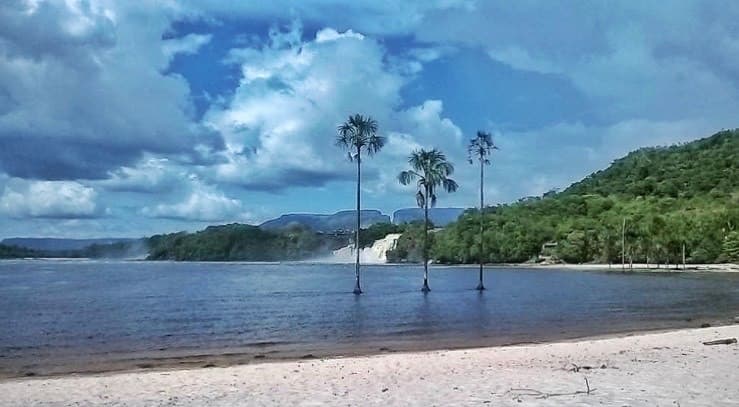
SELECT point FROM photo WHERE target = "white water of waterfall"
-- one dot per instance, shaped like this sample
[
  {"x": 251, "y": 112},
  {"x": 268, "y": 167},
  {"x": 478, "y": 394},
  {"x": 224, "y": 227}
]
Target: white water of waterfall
[{"x": 375, "y": 254}]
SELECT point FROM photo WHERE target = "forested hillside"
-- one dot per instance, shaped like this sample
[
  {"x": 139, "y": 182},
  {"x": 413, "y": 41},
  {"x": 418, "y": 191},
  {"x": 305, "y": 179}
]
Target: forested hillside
[
  {"x": 244, "y": 243},
  {"x": 239, "y": 242},
  {"x": 15, "y": 252},
  {"x": 670, "y": 197}
]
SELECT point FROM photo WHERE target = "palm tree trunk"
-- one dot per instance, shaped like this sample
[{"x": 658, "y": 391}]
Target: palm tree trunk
[
  {"x": 480, "y": 285},
  {"x": 357, "y": 288},
  {"x": 425, "y": 287}
]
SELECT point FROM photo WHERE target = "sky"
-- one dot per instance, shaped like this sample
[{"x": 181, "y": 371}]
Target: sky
[{"x": 129, "y": 118}]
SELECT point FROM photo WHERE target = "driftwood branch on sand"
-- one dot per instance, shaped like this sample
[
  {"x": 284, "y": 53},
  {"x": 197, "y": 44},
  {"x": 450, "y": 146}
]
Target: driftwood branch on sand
[
  {"x": 727, "y": 341},
  {"x": 518, "y": 393}
]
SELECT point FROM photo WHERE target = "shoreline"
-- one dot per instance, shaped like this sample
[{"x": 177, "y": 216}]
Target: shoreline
[
  {"x": 661, "y": 368},
  {"x": 635, "y": 267},
  {"x": 640, "y": 267},
  {"x": 203, "y": 358}
]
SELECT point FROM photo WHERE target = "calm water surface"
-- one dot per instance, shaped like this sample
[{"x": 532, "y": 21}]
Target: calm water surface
[{"x": 59, "y": 316}]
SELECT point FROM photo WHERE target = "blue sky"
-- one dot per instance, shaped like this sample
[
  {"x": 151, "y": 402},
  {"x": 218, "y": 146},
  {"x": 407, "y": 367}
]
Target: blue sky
[{"x": 132, "y": 118}]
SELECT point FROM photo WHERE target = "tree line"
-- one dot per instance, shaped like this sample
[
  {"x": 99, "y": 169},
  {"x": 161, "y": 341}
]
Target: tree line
[
  {"x": 660, "y": 205},
  {"x": 657, "y": 206}
]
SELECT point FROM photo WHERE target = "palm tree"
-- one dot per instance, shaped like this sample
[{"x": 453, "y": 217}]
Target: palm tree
[
  {"x": 480, "y": 149},
  {"x": 358, "y": 134},
  {"x": 431, "y": 170}
]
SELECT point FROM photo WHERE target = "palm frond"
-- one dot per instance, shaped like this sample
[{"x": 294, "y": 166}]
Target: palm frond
[
  {"x": 416, "y": 160},
  {"x": 405, "y": 177},
  {"x": 420, "y": 199},
  {"x": 375, "y": 144},
  {"x": 359, "y": 132},
  {"x": 450, "y": 185},
  {"x": 480, "y": 148},
  {"x": 431, "y": 170},
  {"x": 446, "y": 168}
]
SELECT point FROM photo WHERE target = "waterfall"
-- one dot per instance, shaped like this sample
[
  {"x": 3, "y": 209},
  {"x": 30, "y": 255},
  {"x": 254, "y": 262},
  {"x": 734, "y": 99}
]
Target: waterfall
[{"x": 375, "y": 254}]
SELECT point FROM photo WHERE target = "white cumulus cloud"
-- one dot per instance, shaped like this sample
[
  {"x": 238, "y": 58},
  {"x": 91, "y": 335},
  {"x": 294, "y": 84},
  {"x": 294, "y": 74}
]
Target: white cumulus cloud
[
  {"x": 280, "y": 125},
  {"x": 204, "y": 204},
  {"x": 88, "y": 82},
  {"x": 48, "y": 199}
]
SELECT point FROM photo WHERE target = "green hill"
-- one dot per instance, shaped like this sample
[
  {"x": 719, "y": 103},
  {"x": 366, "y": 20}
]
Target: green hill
[
  {"x": 670, "y": 197},
  {"x": 15, "y": 252},
  {"x": 706, "y": 167},
  {"x": 239, "y": 242}
]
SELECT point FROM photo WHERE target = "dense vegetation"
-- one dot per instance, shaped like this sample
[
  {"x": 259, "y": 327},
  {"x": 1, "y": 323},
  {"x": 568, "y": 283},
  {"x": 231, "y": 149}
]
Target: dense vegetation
[
  {"x": 125, "y": 249},
  {"x": 670, "y": 197},
  {"x": 239, "y": 242},
  {"x": 409, "y": 247},
  {"x": 243, "y": 243},
  {"x": 15, "y": 252}
]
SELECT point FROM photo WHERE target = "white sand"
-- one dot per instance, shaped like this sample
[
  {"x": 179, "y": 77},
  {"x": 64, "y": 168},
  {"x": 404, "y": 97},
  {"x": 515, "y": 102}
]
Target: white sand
[{"x": 662, "y": 369}]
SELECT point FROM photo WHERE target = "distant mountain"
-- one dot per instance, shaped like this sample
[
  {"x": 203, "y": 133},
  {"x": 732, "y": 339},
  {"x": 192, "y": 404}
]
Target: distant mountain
[
  {"x": 57, "y": 244},
  {"x": 343, "y": 220},
  {"x": 438, "y": 216}
]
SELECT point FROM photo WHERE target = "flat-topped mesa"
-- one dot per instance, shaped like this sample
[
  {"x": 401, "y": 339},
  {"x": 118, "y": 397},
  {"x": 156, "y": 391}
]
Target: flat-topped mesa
[
  {"x": 342, "y": 220},
  {"x": 346, "y": 220},
  {"x": 438, "y": 216}
]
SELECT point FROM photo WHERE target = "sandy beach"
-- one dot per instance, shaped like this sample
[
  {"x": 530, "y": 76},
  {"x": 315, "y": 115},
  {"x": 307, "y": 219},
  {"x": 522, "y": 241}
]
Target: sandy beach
[{"x": 656, "y": 369}]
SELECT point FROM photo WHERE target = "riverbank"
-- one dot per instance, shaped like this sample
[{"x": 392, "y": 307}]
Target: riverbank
[
  {"x": 635, "y": 267},
  {"x": 669, "y": 368},
  {"x": 641, "y": 267}
]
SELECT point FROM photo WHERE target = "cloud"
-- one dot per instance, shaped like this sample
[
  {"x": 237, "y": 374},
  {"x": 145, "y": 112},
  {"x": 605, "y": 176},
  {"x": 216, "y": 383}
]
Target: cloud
[
  {"x": 367, "y": 16},
  {"x": 89, "y": 88},
  {"x": 520, "y": 59},
  {"x": 329, "y": 34},
  {"x": 418, "y": 127},
  {"x": 280, "y": 125},
  {"x": 203, "y": 204},
  {"x": 189, "y": 44},
  {"x": 151, "y": 175},
  {"x": 630, "y": 60},
  {"x": 48, "y": 199},
  {"x": 100, "y": 100}
]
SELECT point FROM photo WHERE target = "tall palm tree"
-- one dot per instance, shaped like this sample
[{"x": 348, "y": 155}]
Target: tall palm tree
[
  {"x": 480, "y": 149},
  {"x": 359, "y": 135},
  {"x": 431, "y": 170}
]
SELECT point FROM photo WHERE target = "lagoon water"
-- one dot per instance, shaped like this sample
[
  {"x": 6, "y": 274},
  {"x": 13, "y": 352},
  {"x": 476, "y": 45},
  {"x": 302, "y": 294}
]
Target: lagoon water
[{"x": 67, "y": 316}]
